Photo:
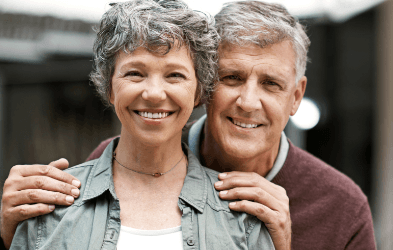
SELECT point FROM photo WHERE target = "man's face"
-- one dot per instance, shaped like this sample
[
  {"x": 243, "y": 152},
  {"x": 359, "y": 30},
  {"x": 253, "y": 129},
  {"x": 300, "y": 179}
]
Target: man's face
[{"x": 255, "y": 96}]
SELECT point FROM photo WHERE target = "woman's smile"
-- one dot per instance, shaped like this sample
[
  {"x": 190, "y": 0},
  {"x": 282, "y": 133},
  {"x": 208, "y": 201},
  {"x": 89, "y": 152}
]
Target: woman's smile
[{"x": 154, "y": 94}]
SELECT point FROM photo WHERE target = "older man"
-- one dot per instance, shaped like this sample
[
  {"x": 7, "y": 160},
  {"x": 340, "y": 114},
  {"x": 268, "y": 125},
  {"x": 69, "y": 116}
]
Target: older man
[{"x": 263, "y": 55}]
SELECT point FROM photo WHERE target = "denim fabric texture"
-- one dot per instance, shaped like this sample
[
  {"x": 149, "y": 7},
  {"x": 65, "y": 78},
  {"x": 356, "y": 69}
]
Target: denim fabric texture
[{"x": 93, "y": 221}]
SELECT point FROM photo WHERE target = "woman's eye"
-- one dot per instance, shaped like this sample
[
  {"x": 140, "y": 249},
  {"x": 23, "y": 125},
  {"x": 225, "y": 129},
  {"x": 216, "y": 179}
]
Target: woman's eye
[
  {"x": 176, "y": 75},
  {"x": 133, "y": 74}
]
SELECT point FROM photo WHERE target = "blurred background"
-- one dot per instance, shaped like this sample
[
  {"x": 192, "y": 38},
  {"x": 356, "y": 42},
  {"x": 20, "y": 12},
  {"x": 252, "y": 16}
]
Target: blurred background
[{"x": 49, "y": 109}]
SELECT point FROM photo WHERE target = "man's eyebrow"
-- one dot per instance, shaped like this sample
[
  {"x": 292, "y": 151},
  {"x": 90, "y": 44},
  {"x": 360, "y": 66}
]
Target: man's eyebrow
[{"x": 229, "y": 71}]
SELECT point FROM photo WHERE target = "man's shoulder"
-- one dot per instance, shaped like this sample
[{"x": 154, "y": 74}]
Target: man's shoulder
[
  {"x": 317, "y": 176},
  {"x": 327, "y": 207},
  {"x": 100, "y": 149}
]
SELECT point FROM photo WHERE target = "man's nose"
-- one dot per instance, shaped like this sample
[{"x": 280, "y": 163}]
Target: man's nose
[
  {"x": 154, "y": 91},
  {"x": 249, "y": 98}
]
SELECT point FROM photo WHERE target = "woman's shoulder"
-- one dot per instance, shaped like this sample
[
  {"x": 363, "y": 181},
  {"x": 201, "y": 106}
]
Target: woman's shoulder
[{"x": 82, "y": 173}]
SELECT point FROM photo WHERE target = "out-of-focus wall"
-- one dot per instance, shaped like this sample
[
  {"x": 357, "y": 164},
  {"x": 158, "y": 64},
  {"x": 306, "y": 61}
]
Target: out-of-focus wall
[{"x": 383, "y": 166}]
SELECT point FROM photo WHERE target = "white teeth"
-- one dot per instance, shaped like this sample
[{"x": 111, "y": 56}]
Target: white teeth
[
  {"x": 244, "y": 125},
  {"x": 153, "y": 115}
]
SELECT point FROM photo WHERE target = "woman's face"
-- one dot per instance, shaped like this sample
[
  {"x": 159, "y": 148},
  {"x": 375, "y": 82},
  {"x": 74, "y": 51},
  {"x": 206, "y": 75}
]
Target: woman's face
[{"x": 153, "y": 94}]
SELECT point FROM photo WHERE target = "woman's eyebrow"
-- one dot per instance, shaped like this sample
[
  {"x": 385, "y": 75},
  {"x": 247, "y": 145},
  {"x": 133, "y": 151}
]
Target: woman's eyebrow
[
  {"x": 177, "y": 66},
  {"x": 133, "y": 64}
]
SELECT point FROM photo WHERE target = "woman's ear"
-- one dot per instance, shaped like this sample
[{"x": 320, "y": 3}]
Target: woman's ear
[
  {"x": 110, "y": 95},
  {"x": 198, "y": 96}
]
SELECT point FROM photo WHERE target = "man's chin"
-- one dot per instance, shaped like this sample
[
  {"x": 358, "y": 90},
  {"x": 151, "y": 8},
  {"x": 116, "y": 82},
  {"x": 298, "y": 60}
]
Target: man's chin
[{"x": 237, "y": 150}]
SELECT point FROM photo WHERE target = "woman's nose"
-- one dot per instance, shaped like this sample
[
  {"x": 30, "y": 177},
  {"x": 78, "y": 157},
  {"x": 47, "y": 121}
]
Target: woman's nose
[{"x": 154, "y": 91}]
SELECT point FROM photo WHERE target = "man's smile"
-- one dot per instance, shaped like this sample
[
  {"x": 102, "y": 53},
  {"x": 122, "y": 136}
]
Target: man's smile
[{"x": 244, "y": 124}]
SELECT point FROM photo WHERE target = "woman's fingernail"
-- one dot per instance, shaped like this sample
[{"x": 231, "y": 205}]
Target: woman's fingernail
[
  {"x": 75, "y": 192},
  {"x": 51, "y": 207},
  {"x": 223, "y": 192},
  {"x": 76, "y": 183},
  {"x": 70, "y": 199},
  {"x": 219, "y": 183},
  {"x": 232, "y": 204},
  {"x": 222, "y": 175}
]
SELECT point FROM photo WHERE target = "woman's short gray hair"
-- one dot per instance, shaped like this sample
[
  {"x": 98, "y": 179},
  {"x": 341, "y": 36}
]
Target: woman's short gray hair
[
  {"x": 158, "y": 26},
  {"x": 263, "y": 24}
]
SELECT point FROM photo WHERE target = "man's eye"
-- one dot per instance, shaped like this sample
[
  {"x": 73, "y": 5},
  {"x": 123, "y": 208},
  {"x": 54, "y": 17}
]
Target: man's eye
[
  {"x": 230, "y": 77},
  {"x": 272, "y": 85}
]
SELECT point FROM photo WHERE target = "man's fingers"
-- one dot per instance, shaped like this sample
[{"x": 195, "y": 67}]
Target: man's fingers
[
  {"x": 47, "y": 183},
  {"x": 46, "y": 170},
  {"x": 252, "y": 180},
  {"x": 29, "y": 196},
  {"x": 252, "y": 194},
  {"x": 25, "y": 212},
  {"x": 260, "y": 211},
  {"x": 60, "y": 164}
]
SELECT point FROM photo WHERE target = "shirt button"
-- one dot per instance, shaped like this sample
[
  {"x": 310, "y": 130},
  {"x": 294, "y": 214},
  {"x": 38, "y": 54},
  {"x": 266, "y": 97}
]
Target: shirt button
[{"x": 190, "y": 242}]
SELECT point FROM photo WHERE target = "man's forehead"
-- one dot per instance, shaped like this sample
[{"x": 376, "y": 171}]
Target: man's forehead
[{"x": 278, "y": 54}]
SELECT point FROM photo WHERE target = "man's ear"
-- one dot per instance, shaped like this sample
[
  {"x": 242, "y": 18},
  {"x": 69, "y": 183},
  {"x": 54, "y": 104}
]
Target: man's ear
[{"x": 299, "y": 93}]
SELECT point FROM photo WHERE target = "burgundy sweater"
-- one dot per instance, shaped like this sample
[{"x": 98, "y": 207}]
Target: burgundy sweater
[{"x": 328, "y": 210}]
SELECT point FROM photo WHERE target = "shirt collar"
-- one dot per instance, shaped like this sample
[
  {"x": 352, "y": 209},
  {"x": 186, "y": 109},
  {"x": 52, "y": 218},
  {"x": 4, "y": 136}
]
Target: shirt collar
[
  {"x": 194, "y": 140},
  {"x": 101, "y": 178},
  {"x": 194, "y": 191}
]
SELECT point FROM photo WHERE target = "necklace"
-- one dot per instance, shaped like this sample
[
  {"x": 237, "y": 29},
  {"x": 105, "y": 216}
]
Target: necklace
[{"x": 155, "y": 174}]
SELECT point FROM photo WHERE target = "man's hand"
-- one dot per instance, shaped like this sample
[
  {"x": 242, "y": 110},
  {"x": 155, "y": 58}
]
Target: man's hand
[
  {"x": 261, "y": 198},
  {"x": 33, "y": 190}
]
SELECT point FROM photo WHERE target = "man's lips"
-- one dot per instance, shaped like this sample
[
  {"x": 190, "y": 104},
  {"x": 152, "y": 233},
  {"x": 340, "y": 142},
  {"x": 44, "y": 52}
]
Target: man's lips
[{"x": 243, "y": 123}]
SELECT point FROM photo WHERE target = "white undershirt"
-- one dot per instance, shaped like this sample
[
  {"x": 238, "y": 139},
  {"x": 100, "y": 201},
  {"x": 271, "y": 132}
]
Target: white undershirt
[{"x": 164, "y": 239}]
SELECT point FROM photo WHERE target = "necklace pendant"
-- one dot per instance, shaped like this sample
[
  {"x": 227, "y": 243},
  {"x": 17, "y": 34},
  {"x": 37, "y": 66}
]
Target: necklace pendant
[{"x": 157, "y": 174}]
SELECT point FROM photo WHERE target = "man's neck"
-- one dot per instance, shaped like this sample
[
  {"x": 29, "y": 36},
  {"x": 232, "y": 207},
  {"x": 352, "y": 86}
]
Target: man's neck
[{"x": 212, "y": 156}]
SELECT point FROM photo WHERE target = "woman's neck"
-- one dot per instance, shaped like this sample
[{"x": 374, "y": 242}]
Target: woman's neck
[{"x": 146, "y": 158}]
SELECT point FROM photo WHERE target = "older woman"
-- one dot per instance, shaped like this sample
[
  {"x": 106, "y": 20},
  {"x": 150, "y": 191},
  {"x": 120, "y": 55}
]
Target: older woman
[{"x": 153, "y": 62}]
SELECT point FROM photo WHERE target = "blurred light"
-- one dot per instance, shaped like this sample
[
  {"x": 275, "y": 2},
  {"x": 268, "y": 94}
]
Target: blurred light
[{"x": 307, "y": 116}]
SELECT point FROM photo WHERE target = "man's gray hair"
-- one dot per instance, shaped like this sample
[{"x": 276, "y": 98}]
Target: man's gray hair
[
  {"x": 263, "y": 24},
  {"x": 158, "y": 26}
]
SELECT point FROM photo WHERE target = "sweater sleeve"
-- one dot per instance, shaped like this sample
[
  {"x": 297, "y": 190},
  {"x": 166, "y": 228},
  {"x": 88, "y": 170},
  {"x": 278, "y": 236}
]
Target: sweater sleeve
[
  {"x": 100, "y": 149},
  {"x": 362, "y": 231}
]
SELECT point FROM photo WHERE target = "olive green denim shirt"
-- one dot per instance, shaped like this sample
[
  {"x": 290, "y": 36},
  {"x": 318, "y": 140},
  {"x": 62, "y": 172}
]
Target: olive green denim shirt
[{"x": 93, "y": 221}]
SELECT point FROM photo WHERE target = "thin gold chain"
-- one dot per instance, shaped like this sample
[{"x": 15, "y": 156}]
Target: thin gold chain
[{"x": 155, "y": 174}]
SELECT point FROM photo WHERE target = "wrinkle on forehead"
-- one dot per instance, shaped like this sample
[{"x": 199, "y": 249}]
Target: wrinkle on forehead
[
  {"x": 269, "y": 61},
  {"x": 230, "y": 51}
]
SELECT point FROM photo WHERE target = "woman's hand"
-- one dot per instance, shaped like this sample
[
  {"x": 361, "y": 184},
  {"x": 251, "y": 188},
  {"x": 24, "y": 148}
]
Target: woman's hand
[
  {"x": 33, "y": 190},
  {"x": 261, "y": 198}
]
